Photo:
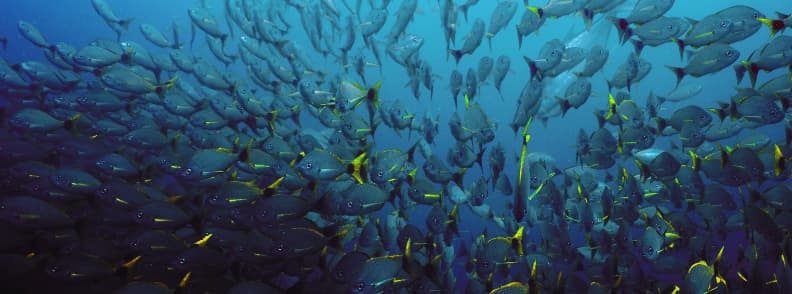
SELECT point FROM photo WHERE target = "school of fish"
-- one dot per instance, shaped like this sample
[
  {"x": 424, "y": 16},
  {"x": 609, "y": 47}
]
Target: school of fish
[{"x": 145, "y": 167}]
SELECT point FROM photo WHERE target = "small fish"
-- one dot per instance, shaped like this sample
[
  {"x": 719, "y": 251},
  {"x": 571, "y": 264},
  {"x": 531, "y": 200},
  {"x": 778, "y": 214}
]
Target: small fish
[
  {"x": 708, "y": 60},
  {"x": 500, "y": 18},
  {"x": 32, "y": 34},
  {"x": 472, "y": 40}
]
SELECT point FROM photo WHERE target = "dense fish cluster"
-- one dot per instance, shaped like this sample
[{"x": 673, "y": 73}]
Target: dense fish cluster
[{"x": 151, "y": 166}]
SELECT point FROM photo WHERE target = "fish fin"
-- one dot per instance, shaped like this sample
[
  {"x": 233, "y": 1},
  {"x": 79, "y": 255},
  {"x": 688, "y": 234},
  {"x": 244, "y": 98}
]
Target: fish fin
[
  {"x": 775, "y": 25},
  {"x": 531, "y": 65},
  {"x": 681, "y": 46},
  {"x": 357, "y": 168},
  {"x": 564, "y": 104},
  {"x": 621, "y": 26},
  {"x": 124, "y": 23},
  {"x": 740, "y": 69},
  {"x": 638, "y": 45},
  {"x": 536, "y": 10},
  {"x": 678, "y": 71},
  {"x": 779, "y": 160}
]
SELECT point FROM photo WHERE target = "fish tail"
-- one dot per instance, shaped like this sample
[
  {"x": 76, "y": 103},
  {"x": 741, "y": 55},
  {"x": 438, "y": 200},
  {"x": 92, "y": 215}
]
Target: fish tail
[
  {"x": 519, "y": 40},
  {"x": 775, "y": 25},
  {"x": 223, "y": 39},
  {"x": 681, "y": 46},
  {"x": 724, "y": 155},
  {"x": 457, "y": 54},
  {"x": 588, "y": 18},
  {"x": 532, "y": 65},
  {"x": 753, "y": 72},
  {"x": 638, "y": 45},
  {"x": 611, "y": 107},
  {"x": 739, "y": 70},
  {"x": 536, "y": 10},
  {"x": 160, "y": 89},
  {"x": 621, "y": 26},
  {"x": 695, "y": 161},
  {"x": 661, "y": 124},
  {"x": 357, "y": 168},
  {"x": 679, "y": 72},
  {"x": 124, "y": 23},
  {"x": 464, "y": 9},
  {"x": 517, "y": 241},
  {"x": 71, "y": 123},
  {"x": 645, "y": 172}
]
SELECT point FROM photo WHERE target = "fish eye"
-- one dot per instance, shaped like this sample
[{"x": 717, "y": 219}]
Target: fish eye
[
  {"x": 534, "y": 180},
  {"x": 105, "y": 190},
  {"x": 140, "y": 214},
  {"x": 188, "y": 171},
  {"x": 649, "y": 251},
  {"x": 268, "y": 147},
  {"x": 380, "y": 173},
  {"x": 729, "y": 53},
  {"x": 724, "y": 24},
  {"x": 349, "y": 204},
  {"x": 359, "y": 287},
  {"x": 670, "y": 27},
  {"x": 308, "y": 165}
]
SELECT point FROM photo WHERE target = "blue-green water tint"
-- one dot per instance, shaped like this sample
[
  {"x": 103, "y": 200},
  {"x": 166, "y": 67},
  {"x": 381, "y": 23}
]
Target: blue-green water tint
[{"x": 75, "y": 22}]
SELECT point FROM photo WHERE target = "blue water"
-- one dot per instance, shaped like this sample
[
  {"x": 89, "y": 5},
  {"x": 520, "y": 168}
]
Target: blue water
[{"x": 76, "y": 23}]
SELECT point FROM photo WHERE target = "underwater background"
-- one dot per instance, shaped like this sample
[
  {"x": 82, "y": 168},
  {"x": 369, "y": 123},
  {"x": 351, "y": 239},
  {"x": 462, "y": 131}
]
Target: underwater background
[{"x": 77, "y": 23}]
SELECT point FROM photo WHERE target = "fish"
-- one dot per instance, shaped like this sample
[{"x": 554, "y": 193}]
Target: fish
[
  {"x": 661, "y": 29},
  {"x": 683, "y": 92},
  {"x": 104, "y": 10},
  {"x": 206, "y": 22},
  {"x": 455, "y": 84},
  {"x": 373, "y": 24},
  {"x": 484, "y": 68},
  {"x": 766, "y": 58},
  {"x": 708, "y": 30},
  {"x": 709, "y": 60},
  {"x": 144, "y": 167},
  {"x": 500, "y": 18},
  {"x": 404, "y": 15},
  {"x": 595, "y": 60},
  {"x": 499, "y": 72},
  {"x": 32, "y": 34},
  {"x": 472, "y": 40},
  {"x": 464, "y": 7},
  {"x": 549, "y": 56},
  {"x": 31, "y": 213},
  {"x": 153, "y": 35},
  {"x": 776, "y": 25}
]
